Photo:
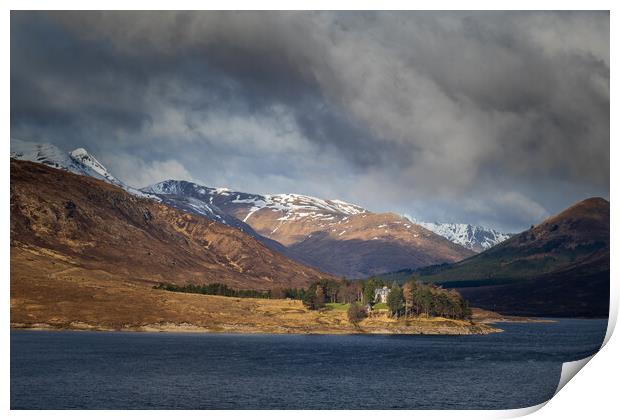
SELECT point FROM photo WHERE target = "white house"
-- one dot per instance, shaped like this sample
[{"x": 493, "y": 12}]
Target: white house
[{"x": 381, "y": 294}]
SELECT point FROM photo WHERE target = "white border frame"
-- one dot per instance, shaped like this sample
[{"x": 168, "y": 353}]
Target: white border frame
[{"x": 593, "y": 394}]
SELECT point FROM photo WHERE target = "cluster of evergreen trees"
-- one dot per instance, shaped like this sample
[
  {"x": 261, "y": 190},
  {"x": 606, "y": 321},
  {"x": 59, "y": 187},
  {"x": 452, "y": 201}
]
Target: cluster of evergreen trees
[
  {"x": 412, "y": 299},
  {"x": 416, "y": 298},
  {"x": 220, "y": 289}
]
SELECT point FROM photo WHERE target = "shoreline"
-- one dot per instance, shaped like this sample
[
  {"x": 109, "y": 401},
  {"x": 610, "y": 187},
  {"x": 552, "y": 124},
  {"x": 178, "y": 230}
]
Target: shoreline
[
  {"x": 516, "y": 320},
  {"x": 485, "y": 316},
  {"x": 411, "y": 329}
]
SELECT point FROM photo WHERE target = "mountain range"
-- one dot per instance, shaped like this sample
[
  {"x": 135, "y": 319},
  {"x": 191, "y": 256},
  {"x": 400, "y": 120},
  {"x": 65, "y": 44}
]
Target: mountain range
[
  {"x": 330, "y": 235},
  {"x": 295, "y": 207}
]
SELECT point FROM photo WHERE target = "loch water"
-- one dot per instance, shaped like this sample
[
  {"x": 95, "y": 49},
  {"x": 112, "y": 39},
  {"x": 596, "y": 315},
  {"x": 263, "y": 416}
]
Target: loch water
[{"x": 122, "y": 370}]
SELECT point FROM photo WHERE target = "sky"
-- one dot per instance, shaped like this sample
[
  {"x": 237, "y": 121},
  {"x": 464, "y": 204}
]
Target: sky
[{"x": 492, "y": 118}]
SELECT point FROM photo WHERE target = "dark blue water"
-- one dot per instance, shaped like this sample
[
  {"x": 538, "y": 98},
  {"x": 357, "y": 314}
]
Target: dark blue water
[{"x": 99, "y": 370}]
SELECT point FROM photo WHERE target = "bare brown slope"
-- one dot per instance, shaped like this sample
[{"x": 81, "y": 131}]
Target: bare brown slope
[
  {"x": 96, "y": 226},
  {"x": 374, "y": 243}
]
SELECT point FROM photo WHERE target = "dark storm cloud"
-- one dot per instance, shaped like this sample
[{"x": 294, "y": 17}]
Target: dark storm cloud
[{"x": 498, "y": 118}]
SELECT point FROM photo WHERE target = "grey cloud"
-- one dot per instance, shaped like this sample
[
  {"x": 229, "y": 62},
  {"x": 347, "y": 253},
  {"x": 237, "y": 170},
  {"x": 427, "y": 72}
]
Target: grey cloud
[{"x": 488, "y": 117}]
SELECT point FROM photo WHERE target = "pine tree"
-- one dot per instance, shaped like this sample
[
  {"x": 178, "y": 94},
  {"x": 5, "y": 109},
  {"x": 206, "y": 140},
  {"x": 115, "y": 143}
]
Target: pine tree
[
  {"x": 395, "y": 300},
  {"x": 369, "y": 291}
]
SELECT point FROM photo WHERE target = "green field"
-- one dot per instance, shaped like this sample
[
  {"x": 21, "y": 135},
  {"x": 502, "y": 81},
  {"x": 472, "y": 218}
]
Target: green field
[
  {"x": 380, "y": 306},
  {"x": 337, "y": 306}
]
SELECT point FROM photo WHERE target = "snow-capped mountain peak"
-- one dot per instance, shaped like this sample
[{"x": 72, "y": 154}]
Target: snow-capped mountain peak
[
  {"x": 78, "y": 161},
  {"x": 474, "y": 237},
  {"x": 91, "y": 164}
]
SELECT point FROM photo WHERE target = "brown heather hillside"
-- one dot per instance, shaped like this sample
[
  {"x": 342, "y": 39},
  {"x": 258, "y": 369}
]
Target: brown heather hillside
[
  {"x": 375, "y": 243},
  {"x": 351, "y": 245},
  {"x": 92, "y": 225}
]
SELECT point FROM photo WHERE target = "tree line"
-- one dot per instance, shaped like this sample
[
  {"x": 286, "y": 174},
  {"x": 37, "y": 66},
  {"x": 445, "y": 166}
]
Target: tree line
[{"x": 218, "y": 289}]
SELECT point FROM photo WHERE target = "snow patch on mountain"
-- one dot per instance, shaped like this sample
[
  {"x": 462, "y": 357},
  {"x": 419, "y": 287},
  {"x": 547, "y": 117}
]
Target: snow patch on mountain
[
  {"x": 305, "y": 202},
  {"x": 198, "y": 199},
  {"x": 297, "y": 206}
]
